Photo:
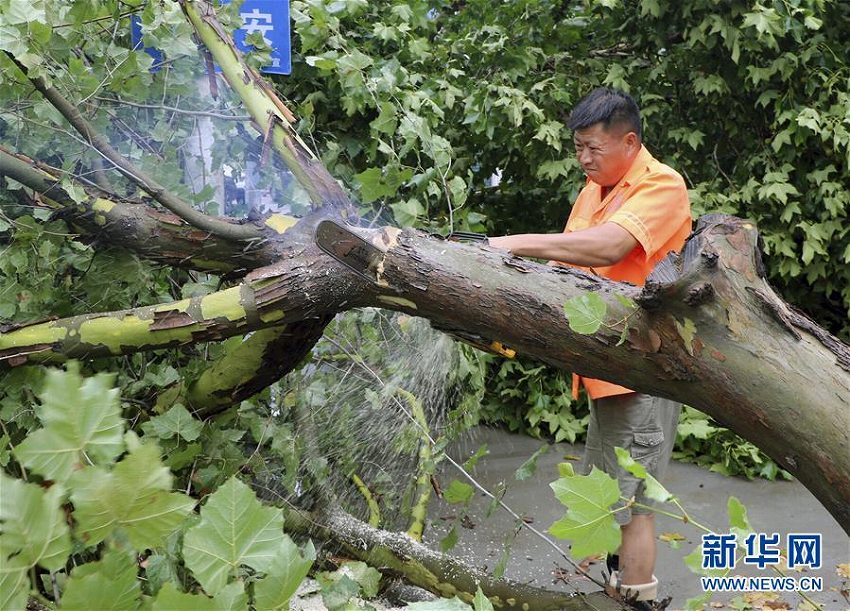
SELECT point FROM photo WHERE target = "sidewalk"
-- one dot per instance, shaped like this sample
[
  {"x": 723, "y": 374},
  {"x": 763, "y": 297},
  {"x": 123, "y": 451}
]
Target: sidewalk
[{"x": 780, "y": 507}]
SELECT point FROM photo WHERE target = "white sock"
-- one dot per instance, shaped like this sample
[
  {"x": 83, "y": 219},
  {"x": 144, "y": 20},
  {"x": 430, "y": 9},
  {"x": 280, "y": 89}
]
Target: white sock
[{"x": 635, "y": 591}]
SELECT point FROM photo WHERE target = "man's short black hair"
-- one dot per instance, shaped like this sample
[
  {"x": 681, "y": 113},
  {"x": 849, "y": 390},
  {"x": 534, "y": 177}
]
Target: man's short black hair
[{"x": 608, "y": 106}]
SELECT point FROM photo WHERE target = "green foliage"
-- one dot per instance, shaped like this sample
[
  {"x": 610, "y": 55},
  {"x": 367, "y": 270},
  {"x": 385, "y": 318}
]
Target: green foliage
[
  {"x": 458, "y": 492},
  {"x": 82, "y": 425},
  {"x": 117, "y": 502},
  {"x": 231, "y": 598},
  {"x": 700, "y": 440},
  {"x": 589, "y": 522},
  {"x": 652, "y": 487},
  {"x": 109, "y": 584},
  {"x": 527, "y": 469},
  {"x": 177, "y": 421},
  {"x": 586, "y": 313},
  {"x": 235, "y": 530},
  {"x": 134, "y": 497},
  {"x": 33, "y": 532},
  {"x": 352, "y": 579},
  {"x": 527, "y": 396}
]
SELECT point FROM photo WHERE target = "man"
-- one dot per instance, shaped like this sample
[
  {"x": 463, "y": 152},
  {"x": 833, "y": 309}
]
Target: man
[{"x": 631, "y": 213}]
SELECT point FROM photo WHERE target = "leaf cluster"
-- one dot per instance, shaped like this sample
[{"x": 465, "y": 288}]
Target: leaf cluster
[{"x": 105, "y": 519}]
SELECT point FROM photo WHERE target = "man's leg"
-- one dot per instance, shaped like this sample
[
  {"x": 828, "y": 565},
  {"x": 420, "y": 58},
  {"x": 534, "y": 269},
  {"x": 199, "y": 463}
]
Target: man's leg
[
  {"x": 646, "y": 426},
  {"x": 637, "y": 551}
]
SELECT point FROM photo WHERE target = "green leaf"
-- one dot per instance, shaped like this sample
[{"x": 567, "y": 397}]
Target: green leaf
[
  {"x": 33, "y": 527},
  {"x": 82, "y": 425},
  {"x": 387, "y": 121},
  {"x": 480, "y": 453},
  {"x": 14, "y": 583},
  {"x": 554, "y": 170},
  {"x": 481, "y": 602},
  {"x": 810, "y": 118},
  {"x": 739, "y": 523},
  {"x": 366, "y": 576},
  {"x": 407, "y": 213},
  {"x": 566, "y": 469},
  {"x": 135, "y": 497},
  {"x": 812, "y": 22},
  {"x": 458, "y": 492},
  {"x": 687, "y": 331},
  {"x": 371, "y": 185},
  {"x": 589, "y": 522},
  {"x": 74, "y": 191},
  {"x": 231, "y": 598},
  {"x": 286, "y": 572},
  {"x": 653, "y": 487},
  {"x": 699, "y": 428},
  {"x": 449, "y": 541},
  {"x": 528, "y": 468},
  {"x": 585, "y": 313},
  {"x": 107, "y": 585},
  {"x": 235, "y": 530},
  {"x": 159, "y": 570},
  {"x": 337, "y": 590},
  {"x": 697, "y": 603},
  {"x": 694, "y": 562},
  {"x": 176, "y": 421},
  {"x": 170, "y": 598}
]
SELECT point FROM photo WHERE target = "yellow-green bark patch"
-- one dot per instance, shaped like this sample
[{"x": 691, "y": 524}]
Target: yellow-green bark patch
[
  {"x": 115, "y": 332},
  {"x": 103, "y": 205},
  {"x": 272, "y": 316},
  {"x": 176, "y": 306},
  {"x": 44, "y": 333},
  {"x": 281, "y": 222},
  {"x": 224, "y": 304},
  {"x": 399, "y": 301}
]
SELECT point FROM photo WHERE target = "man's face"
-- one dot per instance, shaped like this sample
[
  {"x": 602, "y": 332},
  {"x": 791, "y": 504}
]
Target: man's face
[{"x": 605, "y": 155}]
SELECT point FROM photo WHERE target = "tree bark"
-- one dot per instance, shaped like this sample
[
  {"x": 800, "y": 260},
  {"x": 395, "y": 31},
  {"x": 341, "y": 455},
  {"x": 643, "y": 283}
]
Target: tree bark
[
  {"x": 432, "y": 570},
  {"x": 708, "y": 331},
  {"x": 150, "y": 233}
]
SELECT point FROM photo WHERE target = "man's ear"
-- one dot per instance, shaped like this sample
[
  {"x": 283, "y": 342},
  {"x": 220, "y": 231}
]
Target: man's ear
[{"x": 632, "y": 141}]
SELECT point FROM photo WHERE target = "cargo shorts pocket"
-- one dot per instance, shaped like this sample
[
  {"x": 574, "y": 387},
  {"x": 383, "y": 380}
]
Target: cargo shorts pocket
[{"x": 646, "y": 448}]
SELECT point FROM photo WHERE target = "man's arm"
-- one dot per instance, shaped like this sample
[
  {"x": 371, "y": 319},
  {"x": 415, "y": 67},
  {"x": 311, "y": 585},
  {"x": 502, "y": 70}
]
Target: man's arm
[{"x": 598, "y": 246}]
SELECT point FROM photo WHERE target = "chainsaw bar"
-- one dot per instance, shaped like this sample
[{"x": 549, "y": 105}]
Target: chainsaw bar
[
  {"x": 350, "y": 249},
  {"x": 466, "y": 236}
]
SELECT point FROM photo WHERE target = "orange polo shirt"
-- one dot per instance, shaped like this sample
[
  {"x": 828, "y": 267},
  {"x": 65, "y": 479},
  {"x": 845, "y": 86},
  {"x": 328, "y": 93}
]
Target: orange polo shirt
[{"x": 651, "y": 203}]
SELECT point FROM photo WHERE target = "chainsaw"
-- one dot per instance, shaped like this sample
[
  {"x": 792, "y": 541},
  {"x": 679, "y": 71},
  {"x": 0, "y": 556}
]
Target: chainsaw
[{"x": 364, "y": 258}]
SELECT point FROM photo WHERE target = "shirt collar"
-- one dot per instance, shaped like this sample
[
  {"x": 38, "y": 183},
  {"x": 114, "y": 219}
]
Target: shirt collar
[{"x": 638, "y": 167}]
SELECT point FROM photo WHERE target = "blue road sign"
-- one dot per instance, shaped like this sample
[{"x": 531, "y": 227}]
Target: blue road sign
[{"x": 268, "y": 17}]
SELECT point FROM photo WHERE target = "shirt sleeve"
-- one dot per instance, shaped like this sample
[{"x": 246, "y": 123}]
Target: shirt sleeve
[{"x": 655, "y": 211}]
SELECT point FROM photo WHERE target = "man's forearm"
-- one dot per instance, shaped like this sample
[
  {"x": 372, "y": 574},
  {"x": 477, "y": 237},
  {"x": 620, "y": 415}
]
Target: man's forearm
[{"x": 596, "y": 247}]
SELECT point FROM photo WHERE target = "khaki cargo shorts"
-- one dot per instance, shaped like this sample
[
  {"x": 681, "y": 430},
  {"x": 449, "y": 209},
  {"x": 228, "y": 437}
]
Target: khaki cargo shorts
[{"x": 643, "y": 425}]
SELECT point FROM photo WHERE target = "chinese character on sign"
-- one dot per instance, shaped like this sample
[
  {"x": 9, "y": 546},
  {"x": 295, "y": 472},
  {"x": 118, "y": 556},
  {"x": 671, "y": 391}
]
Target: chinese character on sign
[
  {"x": 255, "y": 21},
  {"x": 804, "y": 550},
  {"x": 718, "y": 551},
  {"x": 271, "y": 19},
  {"x": 762, "y": 549}
]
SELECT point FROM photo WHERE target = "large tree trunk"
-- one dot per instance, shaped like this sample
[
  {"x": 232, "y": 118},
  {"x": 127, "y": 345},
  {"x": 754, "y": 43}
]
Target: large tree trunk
[{"x": 708, "y": 330}]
